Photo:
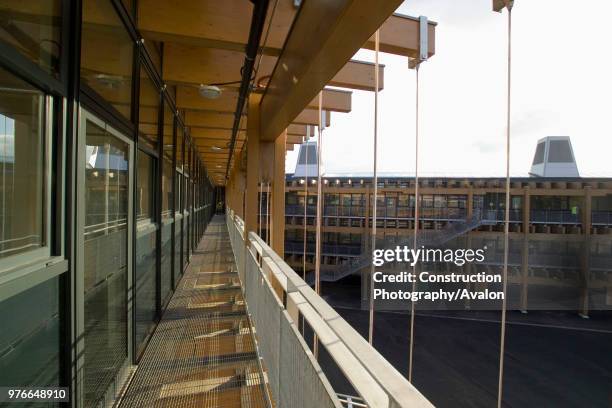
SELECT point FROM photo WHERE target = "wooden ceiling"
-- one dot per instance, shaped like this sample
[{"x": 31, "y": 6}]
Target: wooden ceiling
[{"x": 204, "y": 42}]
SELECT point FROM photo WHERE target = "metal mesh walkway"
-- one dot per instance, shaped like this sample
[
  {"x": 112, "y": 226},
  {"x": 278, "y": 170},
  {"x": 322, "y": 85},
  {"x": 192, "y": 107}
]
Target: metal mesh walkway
[{"x": 202, "y": 353}]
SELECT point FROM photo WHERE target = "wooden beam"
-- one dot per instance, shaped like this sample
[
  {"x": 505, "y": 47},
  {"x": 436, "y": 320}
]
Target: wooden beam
[
  {"x": 311, "y": 117},
  {"x": 194, "y": 65},
  {"x": 358, "y": 75},
  {"x": 225, "y": 25},
  {"x": 334, "y": 100},
  {"x": 344, "y": 26},
  {"x": 277, "y": 219},
  {"x": 225, "y": 120},
  {"x": 294, "y": 139},
  {"x": 222, "y": 134},
  {"x": 206, "y": 144},
  {"x": 190, "y": 64},
  {"x": 212, "y": 23},
  {"x": 211, "y": 120},
  {"x": 399, "y": 35},
  {"x": 295, "y": 129},
  {"x": 188, "y": 97}
]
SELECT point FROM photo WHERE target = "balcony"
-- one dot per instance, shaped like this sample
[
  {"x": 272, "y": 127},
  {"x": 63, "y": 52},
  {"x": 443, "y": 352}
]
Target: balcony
[
  {"x": 276, "y": 299},
  {"x": 230, "y": 338}
]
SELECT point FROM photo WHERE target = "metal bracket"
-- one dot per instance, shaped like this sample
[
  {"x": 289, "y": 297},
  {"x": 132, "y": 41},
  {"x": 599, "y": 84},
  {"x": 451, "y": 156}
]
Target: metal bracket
[
  {"x": 323, "y": 117},
  {"x": 413, "y": 63},
  {"x": 423, "y": 38}
]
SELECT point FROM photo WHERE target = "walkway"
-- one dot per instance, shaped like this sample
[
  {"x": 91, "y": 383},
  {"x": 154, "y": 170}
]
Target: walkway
[{"x": 202, "y": 353}]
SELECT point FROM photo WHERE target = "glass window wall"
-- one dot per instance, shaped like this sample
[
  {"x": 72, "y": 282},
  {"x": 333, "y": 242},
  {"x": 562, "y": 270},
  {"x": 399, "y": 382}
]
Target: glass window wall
[
  {"x": 23, "y": 140},
  {"x": 107, "y": 54},
  {"x": 34, "y": 31},
  {"x": 106, "y": 261},
  {"x": 146, "y": 247}
]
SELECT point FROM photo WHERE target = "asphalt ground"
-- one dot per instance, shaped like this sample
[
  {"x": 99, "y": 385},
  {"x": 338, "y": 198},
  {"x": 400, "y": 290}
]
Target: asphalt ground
[{"x": 551, "y": 358}]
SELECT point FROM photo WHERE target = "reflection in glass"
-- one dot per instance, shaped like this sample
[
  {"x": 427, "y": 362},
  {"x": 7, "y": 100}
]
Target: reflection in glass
[
  {"x": 166, "y": 259},
  {"x": 166, "y": 262},
  {"x": 145, "y": 249},
  {"x": 22, "y": 173},
  {"x": 148, "y": 111},
  {"x": 34, "y": 30},
  {"x": 145, "y": 188},
  {"x": 179, "y": 148},
  {"x": 178, "y": 262},
  {"x": 178, "y": 228},
  {"x": 30, "y": 347},
  {"x": 106, "y": 55},
  {"x": 167, "y": 203},
  {"x": 105, "y": 256}
]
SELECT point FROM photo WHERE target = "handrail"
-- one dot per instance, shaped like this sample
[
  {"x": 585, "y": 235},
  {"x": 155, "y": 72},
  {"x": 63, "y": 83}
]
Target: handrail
[{"x": 372, "y": 376}]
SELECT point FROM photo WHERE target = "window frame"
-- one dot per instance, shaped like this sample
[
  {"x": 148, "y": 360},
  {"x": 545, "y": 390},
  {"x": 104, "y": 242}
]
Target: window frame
[
  {"x": 148, "y": 224},
  {"x": 12, "y": 264}
]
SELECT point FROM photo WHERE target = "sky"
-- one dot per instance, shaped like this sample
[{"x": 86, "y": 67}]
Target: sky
[{"x": 561, "y": 86}]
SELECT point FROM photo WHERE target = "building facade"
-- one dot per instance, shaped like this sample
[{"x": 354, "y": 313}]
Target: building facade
[{"x": 560, "y": 229}]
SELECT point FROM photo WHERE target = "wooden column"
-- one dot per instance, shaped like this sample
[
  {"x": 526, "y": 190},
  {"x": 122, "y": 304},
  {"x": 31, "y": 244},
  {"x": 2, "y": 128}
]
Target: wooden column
[
  {"x": 239, "y": 187},
  {"x": 278, "y": 196},
  {"x": 253, "y": 158},
  {"x": 229, "y": 193},
  {"x": 470, "y": 201},
  {"x": 586, "y": 253},
  {"x": 365, "y": 274},
  {"x": 525, "y": 250}
]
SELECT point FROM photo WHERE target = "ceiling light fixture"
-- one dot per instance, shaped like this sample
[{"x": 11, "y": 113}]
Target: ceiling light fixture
[
  {"x": 215, "y": 148},
  {"x": 209, "y": 91}
]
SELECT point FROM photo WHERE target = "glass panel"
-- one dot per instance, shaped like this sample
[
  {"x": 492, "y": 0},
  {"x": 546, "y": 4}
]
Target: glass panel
[
  {"x": 105, "y": 275},
  {"x": 177, "y": 198},
  {"x": 167, "y": 189},
  {"x": 179, "y": 147},
  {"x": 185, "y": 241},
  {"x": 178, "y": 229},
  {"x": 145, "y": 286},
  {"x": 22, "y": 191},
  {"x": 167, "y": 202},
  {"x": 187, "y": 168},
  {"x": 166, "y": 261},
  {"x": 559, "y": 152},
  {"x": 185, "y": 231},
  {"x": 145, "y": 249},
  {"x": 30, "y": 346},
  {"x": 178, "y": 262},
  {"x": 145, "y": 188},
  {"x": 33, "y": 28},
  {"x": 107, "y": 55},
  {"x": 168, "y": 171},
  {"x": 148, "y": 111}
]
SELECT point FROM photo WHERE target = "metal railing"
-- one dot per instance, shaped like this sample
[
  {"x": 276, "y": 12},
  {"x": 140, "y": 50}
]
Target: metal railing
[
  {"x": 554, "y": 217},
  {"x": 601, "y": 217},
  {"x": 276, "y": 298},
  {"x": 297, "y": 247},
  {"x": 498, "y": 215},
  {"x": 429, "y": 238}
]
